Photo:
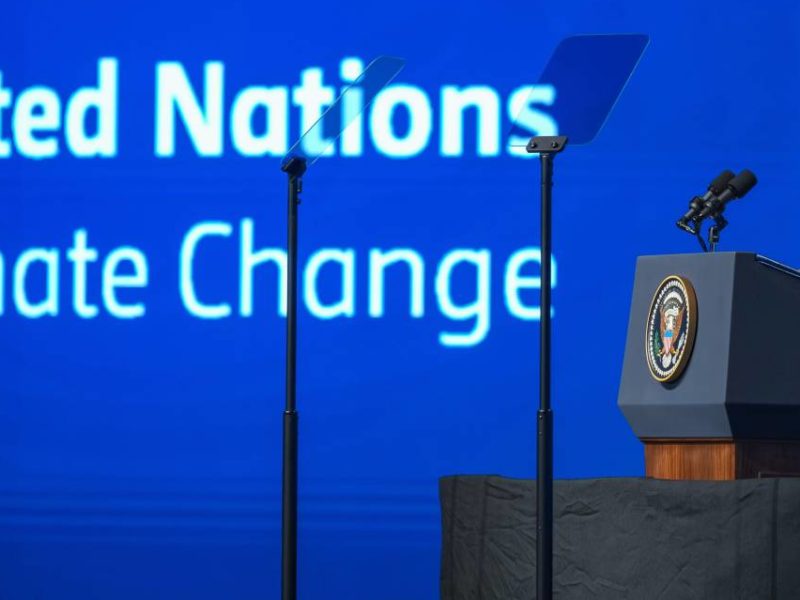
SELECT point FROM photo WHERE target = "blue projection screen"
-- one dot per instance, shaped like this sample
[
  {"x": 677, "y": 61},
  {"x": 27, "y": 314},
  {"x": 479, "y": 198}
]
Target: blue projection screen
[{"x": 142, "y": 252}]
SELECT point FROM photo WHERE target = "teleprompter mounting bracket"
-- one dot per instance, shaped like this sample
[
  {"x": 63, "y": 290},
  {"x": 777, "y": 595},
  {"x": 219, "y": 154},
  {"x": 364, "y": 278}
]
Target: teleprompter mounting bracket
[{"x": 546, "y": 144}]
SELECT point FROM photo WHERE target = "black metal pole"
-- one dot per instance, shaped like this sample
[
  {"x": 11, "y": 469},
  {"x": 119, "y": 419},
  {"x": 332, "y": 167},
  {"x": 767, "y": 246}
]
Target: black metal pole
[
  {"x": 544, "y": 468},
  {"x": 294, "y": 168},
  {"x": 546, "y": 147}
]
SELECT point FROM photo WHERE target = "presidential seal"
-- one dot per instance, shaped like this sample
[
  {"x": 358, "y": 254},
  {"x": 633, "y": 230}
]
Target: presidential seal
[{"x": 671, "y": 327}]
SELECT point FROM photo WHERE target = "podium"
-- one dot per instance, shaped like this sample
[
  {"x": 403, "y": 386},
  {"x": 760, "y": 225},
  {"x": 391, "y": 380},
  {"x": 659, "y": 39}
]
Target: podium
[{"x": 711, "y": 375}]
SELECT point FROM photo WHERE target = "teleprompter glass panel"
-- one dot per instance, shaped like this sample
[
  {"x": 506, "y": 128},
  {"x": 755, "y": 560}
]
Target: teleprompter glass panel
[
  {"x": 580, "y": 85},
  {"x": 343, "y": 117}
]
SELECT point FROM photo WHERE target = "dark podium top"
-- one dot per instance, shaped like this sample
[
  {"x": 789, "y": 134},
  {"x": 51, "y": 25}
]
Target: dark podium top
[{"x": 743, "y": 378}]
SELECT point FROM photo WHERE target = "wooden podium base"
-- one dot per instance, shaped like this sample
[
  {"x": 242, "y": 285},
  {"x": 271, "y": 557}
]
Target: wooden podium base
[{"x": 720, "y": 460}]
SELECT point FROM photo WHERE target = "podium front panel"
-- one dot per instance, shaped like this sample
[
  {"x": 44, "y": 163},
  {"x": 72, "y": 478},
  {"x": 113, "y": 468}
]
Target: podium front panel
[{"x": 742, "y": 379}]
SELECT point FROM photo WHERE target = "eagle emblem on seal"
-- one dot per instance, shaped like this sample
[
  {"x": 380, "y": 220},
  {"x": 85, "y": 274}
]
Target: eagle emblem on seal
[{"x": 671, "y": 328}]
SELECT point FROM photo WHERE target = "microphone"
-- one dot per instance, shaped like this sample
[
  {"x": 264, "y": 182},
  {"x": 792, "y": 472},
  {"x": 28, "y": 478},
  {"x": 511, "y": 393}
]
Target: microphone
[
  {"x": 715, "y": 188},
  {"x": 737, "y": 188}
]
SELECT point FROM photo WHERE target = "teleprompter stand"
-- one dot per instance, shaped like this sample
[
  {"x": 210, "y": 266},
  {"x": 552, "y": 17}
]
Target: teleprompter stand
[
  {"x": 546, "y": 147},
  {"x": 587, "y": 74},
  {"x": 313, "y": 144},
  {"x": 294, "y": 168}
]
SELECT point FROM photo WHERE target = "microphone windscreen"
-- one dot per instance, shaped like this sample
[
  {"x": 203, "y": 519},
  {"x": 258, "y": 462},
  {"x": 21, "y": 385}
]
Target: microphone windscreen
[
  {"x": 743, "y": 183},
  {"x": 720, "y": 182}
]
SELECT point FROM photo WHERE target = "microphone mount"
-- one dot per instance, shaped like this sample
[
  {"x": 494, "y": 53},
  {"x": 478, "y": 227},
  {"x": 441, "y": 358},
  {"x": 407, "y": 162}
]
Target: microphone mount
[
  {"x": 695, "y": 228},
  {"x": 688, "y": 222},
  {"x": 720, "y": 223},
  {"x": 712, "y": 205}
]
